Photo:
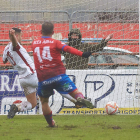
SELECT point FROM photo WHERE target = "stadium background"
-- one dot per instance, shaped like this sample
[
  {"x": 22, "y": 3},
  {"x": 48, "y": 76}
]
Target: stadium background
[
  {"x": 95, "y": 19},
  {"x": 120, "y": 17}
]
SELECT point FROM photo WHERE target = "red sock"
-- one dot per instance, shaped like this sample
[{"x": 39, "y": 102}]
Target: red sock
[
  {"x": 49, "y": 118},
  {"x": 79, "y": 95}
]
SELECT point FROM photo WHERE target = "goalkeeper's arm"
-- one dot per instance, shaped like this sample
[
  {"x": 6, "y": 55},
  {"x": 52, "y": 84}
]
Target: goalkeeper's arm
[{"x": 101, "y": 45}]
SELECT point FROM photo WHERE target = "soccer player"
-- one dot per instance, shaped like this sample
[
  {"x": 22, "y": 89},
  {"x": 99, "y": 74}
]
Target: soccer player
[
  {"x": 22, "y": 62},
  {"x": 74, "y": 40},
  {"x": 51, "y": 71}
]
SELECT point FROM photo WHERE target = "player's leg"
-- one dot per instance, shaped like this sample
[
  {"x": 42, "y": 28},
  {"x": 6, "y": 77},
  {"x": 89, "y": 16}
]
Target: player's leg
[
  {"x": 76, "y": 94},
  {"x": 29, "y": 104},
  {"x": 47, "y": 112},
  {"x": 44, "y": 92},
  {"x": 67, "y": 87},
  {"x": 23, "y": 106},
  {"x": 81, "y": 100},
  {"x": 69, "y": 98},
  {"x": 29, "y": 85}
]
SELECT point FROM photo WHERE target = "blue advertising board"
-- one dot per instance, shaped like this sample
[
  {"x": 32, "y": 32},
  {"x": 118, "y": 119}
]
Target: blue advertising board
[{"x": 9, "y": 86}]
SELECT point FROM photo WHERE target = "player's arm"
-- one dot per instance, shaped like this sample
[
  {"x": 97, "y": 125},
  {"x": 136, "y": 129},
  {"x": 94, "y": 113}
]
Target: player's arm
[
  {"x": 13, "y": 38},
  {"x": 76, "y": 52},
  {"x": 5, "y": 61},
  {"x": 63, "y": 47},
  {"x": 62, "y": 52},
  {"x": 101, "y": 45}
]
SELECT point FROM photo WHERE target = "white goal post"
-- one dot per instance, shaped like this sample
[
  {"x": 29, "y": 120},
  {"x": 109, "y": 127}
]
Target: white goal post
[{"x": 112, "y": 75}]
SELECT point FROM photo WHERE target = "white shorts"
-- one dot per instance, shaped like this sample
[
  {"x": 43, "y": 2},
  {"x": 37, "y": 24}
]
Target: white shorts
[{"x": 29, "y": 83}]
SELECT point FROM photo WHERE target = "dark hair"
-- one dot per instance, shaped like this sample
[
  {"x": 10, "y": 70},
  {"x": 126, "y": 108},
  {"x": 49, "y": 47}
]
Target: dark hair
[
  {"x": 17, "y": 30},
  {"x": 47, "y": 28}
]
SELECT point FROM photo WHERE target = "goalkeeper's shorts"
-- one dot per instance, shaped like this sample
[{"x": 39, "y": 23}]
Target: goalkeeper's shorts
[{"x": 61, "y": 83}]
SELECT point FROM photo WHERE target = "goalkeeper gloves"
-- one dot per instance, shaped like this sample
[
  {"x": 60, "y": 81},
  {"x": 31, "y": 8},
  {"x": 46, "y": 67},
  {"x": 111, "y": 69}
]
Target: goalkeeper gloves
[{"x": 86, "y": 54}]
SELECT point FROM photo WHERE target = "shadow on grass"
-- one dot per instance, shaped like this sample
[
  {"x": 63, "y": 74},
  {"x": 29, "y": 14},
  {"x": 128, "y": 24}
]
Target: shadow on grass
[{"x": 69, "y": 127}]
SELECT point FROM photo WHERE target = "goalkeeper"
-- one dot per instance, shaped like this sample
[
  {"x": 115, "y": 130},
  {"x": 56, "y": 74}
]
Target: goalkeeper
[{"x": 74, "y": 40}]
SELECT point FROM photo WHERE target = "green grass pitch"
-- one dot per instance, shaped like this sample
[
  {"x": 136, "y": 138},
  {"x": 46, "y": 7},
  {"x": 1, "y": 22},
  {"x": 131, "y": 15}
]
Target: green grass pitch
[{"x": 71, "y": 127}]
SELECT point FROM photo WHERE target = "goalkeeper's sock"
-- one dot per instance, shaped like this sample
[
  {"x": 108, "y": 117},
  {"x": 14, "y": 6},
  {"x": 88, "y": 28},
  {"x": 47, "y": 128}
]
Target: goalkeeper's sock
[
  {"x": 79, "y": 95},
  {"x": 25, "y": 105},
  {"x": 49, "y": 118}
]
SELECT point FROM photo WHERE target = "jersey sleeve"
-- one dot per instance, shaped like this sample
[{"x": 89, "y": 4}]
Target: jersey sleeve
[
  {"x": 64, "y": 47},
  {"x": 4, "y": 55},
  {"x": 60, "y": 45}
]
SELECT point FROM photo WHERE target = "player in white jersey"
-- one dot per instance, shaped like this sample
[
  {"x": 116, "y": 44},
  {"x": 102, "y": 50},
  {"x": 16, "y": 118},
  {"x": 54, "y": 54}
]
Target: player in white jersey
[{"x": 22, "y": 62}]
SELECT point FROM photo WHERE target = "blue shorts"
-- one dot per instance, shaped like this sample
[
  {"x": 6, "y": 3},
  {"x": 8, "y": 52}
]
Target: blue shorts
[{"x": 61, "y": 83}]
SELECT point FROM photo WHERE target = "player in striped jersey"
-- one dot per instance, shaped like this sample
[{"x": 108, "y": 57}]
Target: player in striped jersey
[{"x": 22, "y": 62}]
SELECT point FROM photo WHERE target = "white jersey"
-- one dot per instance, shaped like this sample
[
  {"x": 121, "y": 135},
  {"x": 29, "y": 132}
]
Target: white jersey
[{"x": 20, "y": 59}]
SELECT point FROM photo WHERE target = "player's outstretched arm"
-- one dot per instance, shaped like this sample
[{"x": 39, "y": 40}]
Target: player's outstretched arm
[
  {"x": 13, "y": 38},
  {"x": 108, "y": 37},
  {"x": 86, "y": 54},
  {"x": 101, "y": 45},
  {"x": 74, "y": 51}
]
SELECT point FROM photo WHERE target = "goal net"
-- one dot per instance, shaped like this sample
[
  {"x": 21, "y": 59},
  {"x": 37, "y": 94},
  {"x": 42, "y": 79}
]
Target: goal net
[{"x": 112, "y": 74}]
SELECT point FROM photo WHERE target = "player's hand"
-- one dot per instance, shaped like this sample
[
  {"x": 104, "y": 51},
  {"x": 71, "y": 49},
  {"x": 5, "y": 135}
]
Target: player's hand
[
  {"x": 12, "y": 32},
  {"x": 109, "y": 37},
  {"x": 86, "y": 54}
]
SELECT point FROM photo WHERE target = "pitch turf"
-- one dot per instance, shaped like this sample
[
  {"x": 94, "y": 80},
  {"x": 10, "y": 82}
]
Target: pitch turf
[{"x": 77, "y": 127}]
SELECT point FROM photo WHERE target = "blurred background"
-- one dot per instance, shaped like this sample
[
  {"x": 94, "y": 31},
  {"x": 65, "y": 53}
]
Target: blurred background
[{"x": 95, "y": 19}]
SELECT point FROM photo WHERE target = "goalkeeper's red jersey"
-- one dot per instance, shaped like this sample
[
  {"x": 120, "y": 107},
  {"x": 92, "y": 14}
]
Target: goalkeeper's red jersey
[{"x": 47, "y": 57}]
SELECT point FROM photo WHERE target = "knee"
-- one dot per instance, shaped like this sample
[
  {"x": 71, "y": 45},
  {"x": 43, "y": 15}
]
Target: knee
[{"x": 44, "y": 101}]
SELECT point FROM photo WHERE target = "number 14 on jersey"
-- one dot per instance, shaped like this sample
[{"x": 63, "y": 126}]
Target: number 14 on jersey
[{"x": 46, "y": 55}]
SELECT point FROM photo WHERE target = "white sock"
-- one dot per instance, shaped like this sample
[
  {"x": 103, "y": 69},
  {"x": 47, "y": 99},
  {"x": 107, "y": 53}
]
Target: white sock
[
  {"x": 69, "y": 97},
  {"x": 25, "y": 105}
]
